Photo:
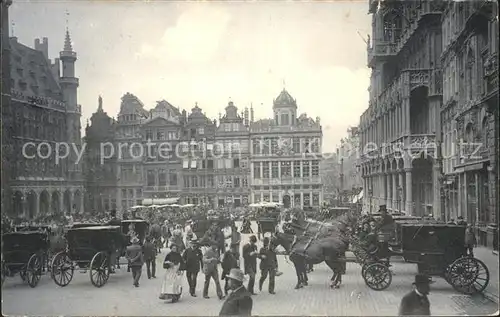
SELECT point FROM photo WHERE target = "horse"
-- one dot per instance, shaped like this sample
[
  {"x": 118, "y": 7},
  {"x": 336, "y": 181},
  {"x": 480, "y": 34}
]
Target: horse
[{"x": 329, "y": 248}]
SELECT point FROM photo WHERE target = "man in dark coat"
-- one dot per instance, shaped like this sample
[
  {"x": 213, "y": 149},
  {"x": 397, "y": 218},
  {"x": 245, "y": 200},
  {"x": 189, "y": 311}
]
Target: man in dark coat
[
  {"x": 250, "y": 255},
  {"x": 229, "y": 262},
  {"x": 193, "y": 258},
  {"x": 268, "y": 265},
  {"x": 239, "y": 302},
  {"x": 135, "y": 258},
  {"x": 416, "y": 302},
  {"x": 149, "y": 251}
]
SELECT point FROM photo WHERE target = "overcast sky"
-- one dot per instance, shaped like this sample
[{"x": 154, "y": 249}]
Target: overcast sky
[{"x": 210, "y": 52}]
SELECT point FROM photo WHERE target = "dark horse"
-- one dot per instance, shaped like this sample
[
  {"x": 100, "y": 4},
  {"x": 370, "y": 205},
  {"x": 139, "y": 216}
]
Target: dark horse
[{"x": 315, "y": 243}]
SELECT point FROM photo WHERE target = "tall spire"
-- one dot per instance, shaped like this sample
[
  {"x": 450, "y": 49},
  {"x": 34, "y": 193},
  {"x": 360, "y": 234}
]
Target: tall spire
[{"x": 67, "y": 41}]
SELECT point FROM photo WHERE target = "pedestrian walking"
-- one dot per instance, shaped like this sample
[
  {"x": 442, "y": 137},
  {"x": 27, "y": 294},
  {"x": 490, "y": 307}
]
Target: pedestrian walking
[
  {"x": 268, "y": 265},
  {"x": 171, "y": 287},
  {"x": 193, "y": 258},
  {"x": 250, "y": 262},
  {"x": 149, "y": 250},
  {"x": 229, "y": 262},
  {"x": 470, "y": 240},
  {"x": 235, "y": 239},
  {"x": 239, "y": 302},
  {"x": 210, "y": 261},
  {"x": 135, "y": 259},
  {"x": 416, "y": 303}
]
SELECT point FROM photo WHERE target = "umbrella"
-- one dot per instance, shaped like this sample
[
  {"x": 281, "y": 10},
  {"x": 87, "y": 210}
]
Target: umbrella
[{"x": 136, "y": 207}]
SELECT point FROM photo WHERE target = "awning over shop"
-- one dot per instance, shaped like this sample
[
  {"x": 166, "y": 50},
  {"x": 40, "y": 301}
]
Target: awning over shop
[{"x": 159, "y": 201}]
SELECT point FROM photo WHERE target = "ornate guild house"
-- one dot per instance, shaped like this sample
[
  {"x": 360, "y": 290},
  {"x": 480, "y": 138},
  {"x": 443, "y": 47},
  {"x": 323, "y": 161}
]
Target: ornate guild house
[{"x": 285, "y": 157}]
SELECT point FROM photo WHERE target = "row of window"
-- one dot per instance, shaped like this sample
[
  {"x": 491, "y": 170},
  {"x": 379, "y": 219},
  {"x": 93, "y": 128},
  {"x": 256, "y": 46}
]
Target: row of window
[
  {"x": 285, "y": 169},
  {"x": 308, "y": 198},
  {"x": 280, "y": 145},
  {"x": 130, "y": 193}
]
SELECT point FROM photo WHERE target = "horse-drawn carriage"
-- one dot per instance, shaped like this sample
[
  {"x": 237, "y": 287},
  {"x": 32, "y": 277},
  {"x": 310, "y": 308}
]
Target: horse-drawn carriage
[
  {"x": 24, "y": 252},
  {"x": 437, "y": 249},
  {"x": 267, "y": 215},
  {"x": 89, "y": 248}
]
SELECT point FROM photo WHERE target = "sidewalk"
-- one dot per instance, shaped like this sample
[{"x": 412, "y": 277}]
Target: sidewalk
[{"x": 491, "y": 260}]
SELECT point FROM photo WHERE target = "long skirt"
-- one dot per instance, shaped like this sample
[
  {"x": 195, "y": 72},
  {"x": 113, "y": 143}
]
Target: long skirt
[{"x": 171, "y": 287}]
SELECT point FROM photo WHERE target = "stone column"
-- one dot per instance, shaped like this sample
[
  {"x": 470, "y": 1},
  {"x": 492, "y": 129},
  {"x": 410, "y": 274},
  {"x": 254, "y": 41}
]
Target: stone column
[
  {"x": 394, "y": 190},
  {"x": 82, "y": 195},
  {"x": 406, "y": 115},
  {"x": 383, "y": 178},
  {"x": 61, "y": 202},
  {"x": 279, "y": 169},
  {"x": 301, "y": 199},
  {"x": 37, "y": 203},
  {"x": 459, "y": 196},
  {"x": 409, "y": 201},
  {"x": 388, "y": 187},
  {"x": 71, "y": 201},
  {"x": 436, "y": 185},
  {"x": 49, "y": 205}
]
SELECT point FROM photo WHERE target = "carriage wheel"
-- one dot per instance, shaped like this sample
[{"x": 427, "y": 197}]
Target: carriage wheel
[
  {"x": 468, "y": 275},
  {"x": 99, "y": 269},
  {"x": 34, "y": 270},
  {"x": 62, "y": 269},
  {"x": 377, "y": 276}
]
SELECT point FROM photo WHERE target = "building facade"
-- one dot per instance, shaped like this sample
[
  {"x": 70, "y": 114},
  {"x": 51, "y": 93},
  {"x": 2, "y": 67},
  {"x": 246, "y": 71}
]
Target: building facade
[
  {"x": 100, "y": 170},
  {"x": 330, "y": 171},
  {"x": 400, "y": 130},
  {"x": 166, "y": 155},
  {"x": 232, "y": 162},
  {"x": 45, "y": 120},
  {"x": 198, "y": 174},
  {"x": 348, "y": 152},
  {"x": 470, "y": 95},
  {"x": 285, "y": 157},
  {"x": 429, "y": 136}
]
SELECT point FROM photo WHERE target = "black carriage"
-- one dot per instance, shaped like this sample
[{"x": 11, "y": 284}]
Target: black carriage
[
  {"x": 201, "y": 226},
  {"x": 89, "y": 249},
  {"x": 24, "y": 252},
  {"x": 437, "y": 249}
]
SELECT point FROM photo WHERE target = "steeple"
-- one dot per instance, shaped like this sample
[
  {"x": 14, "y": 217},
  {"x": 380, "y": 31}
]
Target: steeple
[{"x": 67, "y": 42}]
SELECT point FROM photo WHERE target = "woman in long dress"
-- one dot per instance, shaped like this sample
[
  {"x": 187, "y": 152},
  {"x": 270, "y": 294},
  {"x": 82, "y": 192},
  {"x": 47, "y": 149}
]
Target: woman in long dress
[{"x": 171, "y": 287}]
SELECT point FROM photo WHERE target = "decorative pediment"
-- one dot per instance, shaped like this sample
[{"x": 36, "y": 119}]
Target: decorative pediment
[{"x": 160, "y": 121}]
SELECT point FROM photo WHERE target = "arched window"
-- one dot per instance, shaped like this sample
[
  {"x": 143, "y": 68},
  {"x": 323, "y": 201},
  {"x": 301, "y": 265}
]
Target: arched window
[
  {"x": 469, "y": 133},
  {"x": 485, "y": 132}
]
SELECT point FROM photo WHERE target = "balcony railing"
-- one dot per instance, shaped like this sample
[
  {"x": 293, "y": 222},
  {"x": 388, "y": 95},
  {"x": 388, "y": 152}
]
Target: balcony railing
[{"x": 382, "y": 50}]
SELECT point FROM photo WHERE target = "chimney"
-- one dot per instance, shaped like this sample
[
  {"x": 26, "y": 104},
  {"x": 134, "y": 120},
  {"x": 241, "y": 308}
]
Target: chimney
[
  {"x": 43, "y": 47},
  {"x": 245, "y": 116}
]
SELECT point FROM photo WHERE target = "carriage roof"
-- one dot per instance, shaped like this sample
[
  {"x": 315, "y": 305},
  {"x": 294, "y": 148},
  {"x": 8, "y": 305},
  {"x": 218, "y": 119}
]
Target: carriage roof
[
  {"x": 25, "y": 240},
  {"x": 31, "y": 228},
  {"x": 96, "y": 228},
  {"x": 85, "y": 225}
]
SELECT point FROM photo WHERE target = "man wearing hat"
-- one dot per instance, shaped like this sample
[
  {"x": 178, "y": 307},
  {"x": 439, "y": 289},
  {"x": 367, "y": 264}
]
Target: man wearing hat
[
  {"x": 416, "y": 302},
  {"x": 250, "y": 255},
  {"x": 193, "y": 258},
  {"x": 239, "y": 302},
  {"x": 135, "y": 259},
  {"x": 268, "y": 265}
]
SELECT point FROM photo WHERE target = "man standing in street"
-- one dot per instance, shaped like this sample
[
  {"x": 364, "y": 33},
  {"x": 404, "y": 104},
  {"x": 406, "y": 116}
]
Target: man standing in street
[
  {"x": 250, "y": 262},
  {"x": 229, "y": 262},
  {"x": 239, "y": 302},
  {"x": 210, "y": 262},
  {"x": 135, "y": 259},
  {"x": 235, "y": 239},
  {"x": 268, "y": 265},
  {"x": 193, "y": 258},
  {"x": 416, "y": 302},
  {"x": 149, "y": 250}
]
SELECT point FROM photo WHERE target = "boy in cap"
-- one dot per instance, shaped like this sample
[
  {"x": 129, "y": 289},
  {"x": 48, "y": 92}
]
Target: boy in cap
[
  {"x": 239, "y": 302},
  {"x": 416, "y": 302}
]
